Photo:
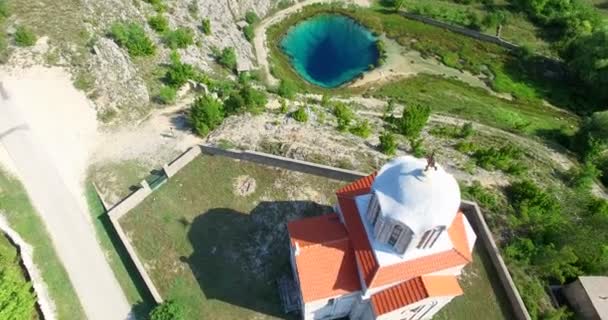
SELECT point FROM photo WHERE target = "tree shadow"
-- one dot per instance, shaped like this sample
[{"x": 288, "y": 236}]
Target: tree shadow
[{"x": 237, "y": 257}]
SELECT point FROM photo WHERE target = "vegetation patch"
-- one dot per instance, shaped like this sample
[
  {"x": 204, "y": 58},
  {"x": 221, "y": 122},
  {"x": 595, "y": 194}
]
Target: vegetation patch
[
  {"x": 132, "y": 37},
  {"x": 22, "y": 217}
]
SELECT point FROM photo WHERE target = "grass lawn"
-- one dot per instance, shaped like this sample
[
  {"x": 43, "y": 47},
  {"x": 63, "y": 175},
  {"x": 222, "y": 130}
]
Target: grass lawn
[
  {"x": 116, "y": 180},
  {"x": 219, "y": 252},
  {"x": 118, "y": 258},
  {"x": 10, "y": 261},
  {"x": 483, "y": 298},
  {"x": 455, "y": 98},
  {"x": 15, "y": 206}
]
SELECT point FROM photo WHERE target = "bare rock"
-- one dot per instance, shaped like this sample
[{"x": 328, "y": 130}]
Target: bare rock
[{"x": 117, "y": 82}]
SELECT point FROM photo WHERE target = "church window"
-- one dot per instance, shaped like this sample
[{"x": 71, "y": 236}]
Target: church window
[{"x": 397, "y": 230}]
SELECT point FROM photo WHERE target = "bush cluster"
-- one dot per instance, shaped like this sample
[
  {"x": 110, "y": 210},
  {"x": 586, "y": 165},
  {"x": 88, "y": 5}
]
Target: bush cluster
[
  {"x": 300, "y": 115},
  {"x": 158, "y": 23},
  {"x": 132, "y": 37},
  {"x": 226, "y": 58},
  {"x": 24, "y": 37},
  {"x": 179, "y": 38},
  {"x": 168, "y": 310},
  {"x": 388, "y": 143}
]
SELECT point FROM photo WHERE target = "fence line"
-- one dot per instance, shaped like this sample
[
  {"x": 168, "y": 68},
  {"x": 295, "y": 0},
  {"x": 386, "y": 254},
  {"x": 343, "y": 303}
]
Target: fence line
[
  {"x": 470, "y": 209},
  {"x": 462, "y": 30}
]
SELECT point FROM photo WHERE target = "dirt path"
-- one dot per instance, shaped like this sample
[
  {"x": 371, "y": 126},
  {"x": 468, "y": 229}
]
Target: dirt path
[{"x": 45, "y": 129}]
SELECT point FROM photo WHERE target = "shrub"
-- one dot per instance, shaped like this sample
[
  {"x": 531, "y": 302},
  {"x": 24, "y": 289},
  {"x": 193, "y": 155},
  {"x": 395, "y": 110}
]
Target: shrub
[
  {"x": 179, "y": 73},
  {"x": 343, "y": 114},
  {"x": 287, "y": 89},
  {"x": 284, "y": 107},
  {"x": 179, "y": 38},
  {"x": 584, "y": 177},
  {"x": 132, "y": 37},
  {"x": 206, "y": 26},
  {"x": 362, "y": 129},
  {"x": 466, "y": 130},
  {"x": 168, "y": 310},
  {"x": 246, "y": 99},
  {"x": 18, "y": 300},
  {"x": 206, "y": 114},
  {"x": 382, "y": 55},
  {"x": 388, "y": 143},
  {"x": 503, "y": 158},
  {"x": 4, "y": 10},
  {"x": 158, "y": 23},
  {"x": 251, "y": 17},
  {"x": 166, "y": 95},
  {"x": 24, "y": 37},
  {"x": 300, "y": 115},
  {"x": 248, "y": 32},
  {"x": 535, "y": 209},
  {"x": 227, "y": 58},
  {"x": 413, "y": 121},
  {"x": 417, "y": 147}
]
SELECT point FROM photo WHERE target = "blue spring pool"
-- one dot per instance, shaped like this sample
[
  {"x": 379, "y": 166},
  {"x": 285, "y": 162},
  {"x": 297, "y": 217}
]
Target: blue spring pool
[{"x": 329, "y": 50}]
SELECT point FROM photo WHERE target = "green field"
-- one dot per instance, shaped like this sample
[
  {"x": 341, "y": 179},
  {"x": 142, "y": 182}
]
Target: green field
[
  {"x": 222, "y": 251},
  {"x": 15, "y": 206}
]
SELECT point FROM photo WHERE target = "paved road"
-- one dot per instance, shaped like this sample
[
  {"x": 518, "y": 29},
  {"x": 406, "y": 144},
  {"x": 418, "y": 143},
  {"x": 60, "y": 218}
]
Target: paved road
[{"x": 71, "y": 231}]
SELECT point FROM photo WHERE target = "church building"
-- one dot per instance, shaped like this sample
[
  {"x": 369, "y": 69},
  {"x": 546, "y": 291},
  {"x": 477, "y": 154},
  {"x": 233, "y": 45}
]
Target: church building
[{"x": 393, "y": 248}]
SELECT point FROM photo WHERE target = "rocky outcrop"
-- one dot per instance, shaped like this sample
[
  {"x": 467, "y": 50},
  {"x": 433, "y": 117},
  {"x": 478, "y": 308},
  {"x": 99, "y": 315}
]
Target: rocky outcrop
[{"x": 117, "y": 82}]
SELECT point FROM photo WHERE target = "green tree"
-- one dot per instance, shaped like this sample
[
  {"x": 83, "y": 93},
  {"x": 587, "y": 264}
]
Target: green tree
[
  {"x": 388, "y": 143},
  {"x": 158, "y": 23},
  {"x": 588, "y": 57},
  {"x": 24, "y": 37},
  {"x": 300, "y": 115},
  {"x": 16, "y": 298},
  {"x": 246, "y": 99},
  {"x": 592, "y": 139},
  {"x": 398, "y": 4},
  {"x": 132, "y": 37},
  {"x": 287, "y": 89},
  {"x": 206, "y": 114},
  {"x": 413, "y": 121},
  {"x": 168, "y": 310},
  {"x": 206, "y": 26},
  {"x": 227, "y": 58},
  {"x": 179, "y": 38},
  {"x": 584, "y": 177}
]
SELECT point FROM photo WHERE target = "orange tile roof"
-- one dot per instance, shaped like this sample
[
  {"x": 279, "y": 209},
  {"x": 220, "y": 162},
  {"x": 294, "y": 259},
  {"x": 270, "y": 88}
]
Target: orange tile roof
[
  {"x": 414, "y": 290},
  {"x": 372, "y": 273},
  {"x": 326, "y": 264},
  {"x": 458, "y": 235},
  {"x": 316, "y": 230},
  {"x": 438, "y": 286},
  {"x": 358, "y": 187}
]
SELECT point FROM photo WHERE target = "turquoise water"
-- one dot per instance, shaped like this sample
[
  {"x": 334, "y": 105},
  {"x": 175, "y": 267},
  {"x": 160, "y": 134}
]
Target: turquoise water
[{"x": 330, "y": 50}]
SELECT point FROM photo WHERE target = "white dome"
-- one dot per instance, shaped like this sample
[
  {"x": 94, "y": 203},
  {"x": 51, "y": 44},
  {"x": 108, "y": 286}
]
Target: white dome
[{"x": 421, "y": 200}]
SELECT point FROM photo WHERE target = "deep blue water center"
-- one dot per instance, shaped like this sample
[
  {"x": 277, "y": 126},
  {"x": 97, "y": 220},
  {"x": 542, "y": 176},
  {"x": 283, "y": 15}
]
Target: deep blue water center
[{"x": 330, "y": 50}]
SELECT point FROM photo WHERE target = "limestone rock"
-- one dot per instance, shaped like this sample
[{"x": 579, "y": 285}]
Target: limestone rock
[{"x": 117, "y": 82}]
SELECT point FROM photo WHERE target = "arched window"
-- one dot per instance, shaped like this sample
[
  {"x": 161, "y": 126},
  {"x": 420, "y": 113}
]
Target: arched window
[
  {"x": 430, "y": 237},
  {"x": 395, "y": 233}
]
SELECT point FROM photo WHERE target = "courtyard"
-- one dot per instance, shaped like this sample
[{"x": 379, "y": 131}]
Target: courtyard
[{"x": 214, "y": 238}]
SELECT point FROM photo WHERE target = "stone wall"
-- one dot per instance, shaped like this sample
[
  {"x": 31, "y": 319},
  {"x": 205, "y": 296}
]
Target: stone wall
[
  {"x": 473, "y": 213},
  {"x": 470, "y": 209}
]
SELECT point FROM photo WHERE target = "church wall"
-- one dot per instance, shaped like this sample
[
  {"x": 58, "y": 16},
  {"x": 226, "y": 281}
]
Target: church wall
[{"x": 325, "y": 309}]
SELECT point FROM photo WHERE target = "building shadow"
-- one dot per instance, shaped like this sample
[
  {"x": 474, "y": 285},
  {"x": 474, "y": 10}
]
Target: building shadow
[{"x": 238, "y": 256}]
